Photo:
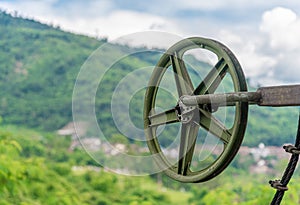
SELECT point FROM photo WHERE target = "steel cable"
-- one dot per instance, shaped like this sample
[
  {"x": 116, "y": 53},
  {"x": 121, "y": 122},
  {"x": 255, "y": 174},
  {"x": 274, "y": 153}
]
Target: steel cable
[{"x": 281, "y": 185}]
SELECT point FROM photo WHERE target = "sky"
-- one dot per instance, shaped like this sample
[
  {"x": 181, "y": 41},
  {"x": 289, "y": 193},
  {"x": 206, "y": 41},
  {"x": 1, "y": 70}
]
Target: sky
[{"x": 264, "y": 35}]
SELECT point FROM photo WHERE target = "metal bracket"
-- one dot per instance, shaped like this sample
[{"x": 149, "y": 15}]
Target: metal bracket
[
  {"x": 185, "y": 113},
  {"x": 276, "y": 184},
  {"x": 291, "y": 149}
]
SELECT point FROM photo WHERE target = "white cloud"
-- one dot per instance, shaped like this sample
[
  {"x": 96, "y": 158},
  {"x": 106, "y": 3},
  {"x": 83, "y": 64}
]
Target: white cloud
[
  {"x": 122, "y": 22},
  {"x": 268, "y": 48},
  {"x": 34, "y": 9},
  {"x": 270, "y": 54},
  {"x": 282, "y": 27},
  {"x": 232, "y": 5},
  {"x": 253, "y": 62},
  {"x": 91, "y": 17}
]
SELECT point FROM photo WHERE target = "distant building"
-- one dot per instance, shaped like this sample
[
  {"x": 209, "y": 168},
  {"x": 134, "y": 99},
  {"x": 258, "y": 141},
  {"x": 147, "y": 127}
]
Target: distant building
[
  {"x": 74, "y": 129},
  {"x": 91, "y": 144},
  {"x": 77, "y": 131}
]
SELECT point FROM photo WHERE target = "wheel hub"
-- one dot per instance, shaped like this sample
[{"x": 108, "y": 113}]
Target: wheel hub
[{"x": 186, "y": 113}]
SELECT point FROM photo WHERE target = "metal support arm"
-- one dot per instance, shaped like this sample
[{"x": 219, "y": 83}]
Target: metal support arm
[{"x": 276, "y": 96}]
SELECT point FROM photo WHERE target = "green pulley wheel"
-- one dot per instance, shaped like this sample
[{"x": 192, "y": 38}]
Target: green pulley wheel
[{"x": 192, "y": 118}]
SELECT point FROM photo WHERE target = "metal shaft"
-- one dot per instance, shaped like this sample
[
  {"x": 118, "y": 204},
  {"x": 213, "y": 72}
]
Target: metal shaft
[
  {"x": 222, "y": 99},
  {"x": 276, "y": 96}
]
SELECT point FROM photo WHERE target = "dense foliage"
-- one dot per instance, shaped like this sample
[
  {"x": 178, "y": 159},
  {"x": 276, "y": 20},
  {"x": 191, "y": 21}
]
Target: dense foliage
[
  {"x": 37, "y": 168},
  {"x": 43, "y": 171}
]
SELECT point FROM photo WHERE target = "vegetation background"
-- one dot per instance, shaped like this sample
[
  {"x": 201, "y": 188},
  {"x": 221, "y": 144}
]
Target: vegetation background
[{"x": 39, "y": 64}]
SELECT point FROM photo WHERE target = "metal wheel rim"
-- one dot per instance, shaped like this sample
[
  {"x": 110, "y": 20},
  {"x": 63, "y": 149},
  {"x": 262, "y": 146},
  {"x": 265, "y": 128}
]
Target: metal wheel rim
[{"x": 240, "y": 120}]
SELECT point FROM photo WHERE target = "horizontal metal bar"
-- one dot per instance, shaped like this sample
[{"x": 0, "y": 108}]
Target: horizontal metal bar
[
  {"x": 276, "y": 96},
  {"x": 222, "y": 99}
]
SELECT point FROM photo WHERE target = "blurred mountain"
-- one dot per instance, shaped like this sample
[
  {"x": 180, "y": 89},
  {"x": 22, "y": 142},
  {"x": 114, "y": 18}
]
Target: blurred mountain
[{"x": 39, "y": 65}]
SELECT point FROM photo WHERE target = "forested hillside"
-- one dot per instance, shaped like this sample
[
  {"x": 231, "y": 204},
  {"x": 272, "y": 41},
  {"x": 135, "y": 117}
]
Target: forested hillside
[{"x": 39, "y": 65}]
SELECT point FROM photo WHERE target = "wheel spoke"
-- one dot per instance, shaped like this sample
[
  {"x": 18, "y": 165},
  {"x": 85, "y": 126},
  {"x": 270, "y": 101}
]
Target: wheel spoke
[
  {"x": 182, "y": 78},
  {"x": 189, "y": 134},
  {"x": 214, "y": 126},
  {"x": 162, "y": 118},
  {"x": 213, "y": 79}
]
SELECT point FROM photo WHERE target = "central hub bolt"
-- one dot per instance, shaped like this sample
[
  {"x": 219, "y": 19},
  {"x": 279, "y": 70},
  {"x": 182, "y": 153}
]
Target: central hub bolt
[{"x": 185, "y": 113}]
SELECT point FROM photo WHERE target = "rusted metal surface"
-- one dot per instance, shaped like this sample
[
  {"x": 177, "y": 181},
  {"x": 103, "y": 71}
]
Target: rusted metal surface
[
  {"x": 276, "y": 96},
  {"x": 222, "y": 99}
]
